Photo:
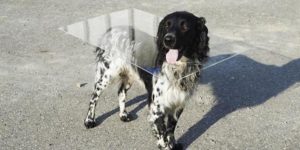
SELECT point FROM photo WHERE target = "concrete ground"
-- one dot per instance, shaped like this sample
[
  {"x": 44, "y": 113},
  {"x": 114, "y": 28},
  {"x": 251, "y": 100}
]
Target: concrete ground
[{"x": 246, "y": 101}]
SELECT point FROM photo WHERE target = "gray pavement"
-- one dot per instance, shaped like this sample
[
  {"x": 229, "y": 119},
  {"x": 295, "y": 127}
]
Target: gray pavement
[{"x": 247, "y": 99}]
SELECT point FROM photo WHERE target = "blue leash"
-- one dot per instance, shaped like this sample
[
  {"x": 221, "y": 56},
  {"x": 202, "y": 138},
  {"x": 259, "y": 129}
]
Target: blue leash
[{"x": 153, "y": 70}]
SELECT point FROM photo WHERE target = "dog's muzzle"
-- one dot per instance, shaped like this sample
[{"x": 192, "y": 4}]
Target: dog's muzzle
[{"x": 169, "y": 40}]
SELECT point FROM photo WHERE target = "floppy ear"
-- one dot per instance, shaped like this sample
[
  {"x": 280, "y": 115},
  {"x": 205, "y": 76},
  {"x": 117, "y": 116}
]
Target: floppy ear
[
  {"x": 160, "y": 34},
  {"x": 202, "y": 39},
  {"x": 201, "y": 22},
  {"x": 159, "y": 43}
]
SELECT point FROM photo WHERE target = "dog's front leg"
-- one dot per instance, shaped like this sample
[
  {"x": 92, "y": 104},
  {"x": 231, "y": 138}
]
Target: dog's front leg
[
  {"x": 157, "y": 115},
  {"x": 171, "y": 125},
  {"x": 157, "y": 121}
]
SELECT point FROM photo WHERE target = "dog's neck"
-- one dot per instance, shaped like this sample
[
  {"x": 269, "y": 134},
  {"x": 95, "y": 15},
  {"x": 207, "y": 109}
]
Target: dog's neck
[{"x": 184, "y": 72}]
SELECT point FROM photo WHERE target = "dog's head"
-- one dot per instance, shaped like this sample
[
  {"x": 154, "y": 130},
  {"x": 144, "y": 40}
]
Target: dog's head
[{"x": 182, "y": 34}]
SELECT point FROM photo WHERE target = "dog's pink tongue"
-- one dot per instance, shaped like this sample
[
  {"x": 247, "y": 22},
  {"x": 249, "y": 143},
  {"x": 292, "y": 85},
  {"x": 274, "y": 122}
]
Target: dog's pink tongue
[{"x": 172, "y": 56}]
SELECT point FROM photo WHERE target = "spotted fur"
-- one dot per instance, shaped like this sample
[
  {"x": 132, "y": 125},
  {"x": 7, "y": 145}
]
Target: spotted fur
[
  {"x": 169, "y": 89},
  {"x": 113, "y": 65},
  {"x": 174, "y": 85}
]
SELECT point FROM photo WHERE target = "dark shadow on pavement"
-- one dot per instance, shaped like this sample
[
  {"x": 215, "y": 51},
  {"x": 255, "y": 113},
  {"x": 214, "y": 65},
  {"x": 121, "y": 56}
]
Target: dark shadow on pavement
[
  {"x": 133, "y": 101},
  {"x": 238, "y": 83}
]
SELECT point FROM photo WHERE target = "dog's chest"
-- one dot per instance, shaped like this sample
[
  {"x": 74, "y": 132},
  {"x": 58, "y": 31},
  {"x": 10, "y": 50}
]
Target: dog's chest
[{"x": 172, "y": 89}]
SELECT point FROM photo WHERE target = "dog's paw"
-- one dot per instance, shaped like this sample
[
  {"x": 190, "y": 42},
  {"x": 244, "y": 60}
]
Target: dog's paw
[
  {"x": 171, "y": 147},
  {"x": 161, "y": 144},
  {"x": 169, "y": 144},
  {"x": 89, "y": 123},
  {"x": 125, "y": 117}
]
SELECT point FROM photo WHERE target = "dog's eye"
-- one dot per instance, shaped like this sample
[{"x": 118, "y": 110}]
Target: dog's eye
[
  {"x": 168, "y": 24},
  {"x": 183, "y": 26}
]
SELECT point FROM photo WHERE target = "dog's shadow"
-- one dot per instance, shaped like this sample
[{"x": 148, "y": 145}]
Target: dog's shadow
[
  {"x": 133, "y": 113},
  {"x": 238, "y": 83}
]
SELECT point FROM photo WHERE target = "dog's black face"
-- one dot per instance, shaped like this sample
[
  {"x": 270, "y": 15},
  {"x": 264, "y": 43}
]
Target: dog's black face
[
  {"x": 184, "y": 34},
  {"x": 179, "y": 28}
]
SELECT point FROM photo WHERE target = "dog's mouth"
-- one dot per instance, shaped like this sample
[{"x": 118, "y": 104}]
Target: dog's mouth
[{"x": 172, "y": 56}]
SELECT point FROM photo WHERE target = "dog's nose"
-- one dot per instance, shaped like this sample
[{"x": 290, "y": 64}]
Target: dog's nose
[{"x": 169, "y": 39}]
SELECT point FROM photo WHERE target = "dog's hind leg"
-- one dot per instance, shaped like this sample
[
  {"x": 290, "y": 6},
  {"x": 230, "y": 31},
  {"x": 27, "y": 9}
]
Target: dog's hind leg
[
  {"x": 124, "y": 87},
  {"x": 103, "y": 78}
]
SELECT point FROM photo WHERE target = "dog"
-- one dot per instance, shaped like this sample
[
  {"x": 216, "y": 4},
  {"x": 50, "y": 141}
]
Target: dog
[{"x": 182, "y": 46}]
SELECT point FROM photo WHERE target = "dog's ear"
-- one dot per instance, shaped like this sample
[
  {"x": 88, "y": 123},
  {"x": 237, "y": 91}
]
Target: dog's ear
[
  {"x": 201, "y": 23},
  {"x": 202, "y": 32},
  {"x": 202, "y": 39},
  {"x": 160, "y": 34},
  {"x": 159, "y": 43}
]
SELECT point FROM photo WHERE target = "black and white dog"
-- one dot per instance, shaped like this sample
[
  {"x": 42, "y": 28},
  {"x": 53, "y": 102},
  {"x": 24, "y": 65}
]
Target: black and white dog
[{"x": 181, "y": 50}]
